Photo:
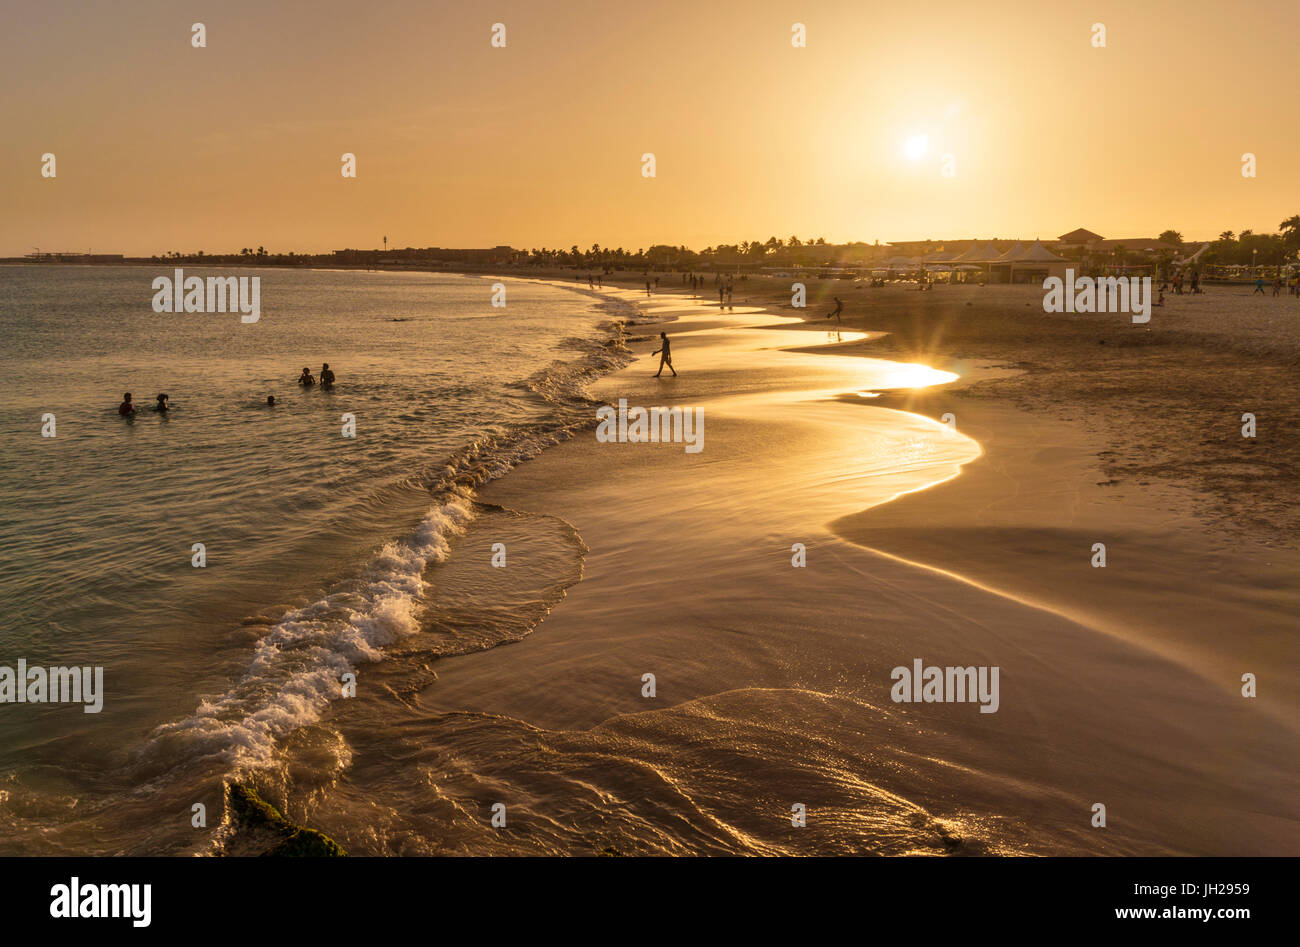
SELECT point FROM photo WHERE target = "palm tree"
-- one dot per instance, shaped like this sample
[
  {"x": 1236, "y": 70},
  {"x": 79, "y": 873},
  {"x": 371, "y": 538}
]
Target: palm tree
[
  {"x": 1227, "y": 235},
  {"x": 1290, "y": 231}
]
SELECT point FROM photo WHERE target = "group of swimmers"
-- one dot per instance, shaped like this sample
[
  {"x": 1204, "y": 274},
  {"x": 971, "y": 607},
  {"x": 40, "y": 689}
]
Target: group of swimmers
[
  {"x": 127, "y": 408},
  {"x": 326, "y": 377}
]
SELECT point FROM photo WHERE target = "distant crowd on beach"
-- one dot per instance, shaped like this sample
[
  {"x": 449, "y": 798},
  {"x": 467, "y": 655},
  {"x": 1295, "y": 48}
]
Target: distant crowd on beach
[
  {"x": 1292, "y": 285},
  {"x": 162, "y": 403}
]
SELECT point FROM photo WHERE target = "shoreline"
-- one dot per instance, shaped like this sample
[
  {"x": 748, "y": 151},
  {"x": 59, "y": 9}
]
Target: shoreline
[{"x": 1170, "y": 698}]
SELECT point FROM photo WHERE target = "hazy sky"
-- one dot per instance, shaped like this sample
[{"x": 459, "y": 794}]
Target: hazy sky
[{"x": 161, "y": 146}]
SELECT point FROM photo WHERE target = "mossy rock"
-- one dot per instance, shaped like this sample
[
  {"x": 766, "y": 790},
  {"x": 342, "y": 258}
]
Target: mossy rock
[
  {"x": 257, "y": 817},
  {"x": 307, "y": 843}
]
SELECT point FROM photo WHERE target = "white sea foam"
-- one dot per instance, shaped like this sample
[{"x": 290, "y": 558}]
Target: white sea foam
[{"x": 297, "y": 668}]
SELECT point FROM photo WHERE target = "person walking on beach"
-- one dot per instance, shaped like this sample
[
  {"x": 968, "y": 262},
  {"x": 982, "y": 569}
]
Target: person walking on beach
[
  {"x": 647, "y": 287},
  {"x": 305, "y": 379},
  {"x": 839, "y": 308},
  {"x": 667, "y": 358},
  {"x": 126, "y": 408},
  {"x": 729, "y": 293},
  {"x": 326, "y": 377},
  {"x": 1259, "y": 285}
]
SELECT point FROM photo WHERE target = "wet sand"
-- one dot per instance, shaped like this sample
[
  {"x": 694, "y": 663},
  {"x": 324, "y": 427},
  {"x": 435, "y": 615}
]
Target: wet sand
[{"x": 1120, "y": 685}]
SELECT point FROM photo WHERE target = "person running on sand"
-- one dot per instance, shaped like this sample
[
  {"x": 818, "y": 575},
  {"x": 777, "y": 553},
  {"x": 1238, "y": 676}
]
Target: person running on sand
[
  {"x": 667, "y": 358},
  {"x": 839, "y": 308}
]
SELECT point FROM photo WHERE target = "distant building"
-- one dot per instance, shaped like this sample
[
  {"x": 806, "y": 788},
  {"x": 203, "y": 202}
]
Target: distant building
[
  {"x": 1078, "y": 238},
  {"x": 55, "y": 257},
  {"x": 1089, "y": 242},
  {"x": 425, "y": 255}
]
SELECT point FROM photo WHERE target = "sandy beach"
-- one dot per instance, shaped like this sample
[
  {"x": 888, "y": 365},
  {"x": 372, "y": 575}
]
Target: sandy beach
[{"x": 1120, "y": 685}]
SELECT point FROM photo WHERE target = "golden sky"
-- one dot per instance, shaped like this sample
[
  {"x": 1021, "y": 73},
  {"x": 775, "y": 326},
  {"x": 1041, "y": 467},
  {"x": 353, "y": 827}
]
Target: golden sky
[{"x": 161, "y": 146}]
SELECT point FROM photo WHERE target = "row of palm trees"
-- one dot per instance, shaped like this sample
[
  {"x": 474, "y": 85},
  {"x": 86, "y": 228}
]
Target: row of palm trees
[{"x": 1248, "y": 248}]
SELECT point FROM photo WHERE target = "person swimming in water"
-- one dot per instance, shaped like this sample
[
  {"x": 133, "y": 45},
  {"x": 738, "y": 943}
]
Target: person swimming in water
[
  {"x": 305, "y": 378},
  {"x": 667, "y": 358},
  {"x": 270, "y": 401},
  {"x": 326, "y": 376},
  {"x": 162, "y": 407},
  {"x": 126, "y": 408}
]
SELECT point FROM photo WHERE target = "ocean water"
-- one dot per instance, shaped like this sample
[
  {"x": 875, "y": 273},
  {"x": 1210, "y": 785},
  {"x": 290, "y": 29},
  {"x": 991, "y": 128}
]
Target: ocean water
[{"x": 326, "y": 556}]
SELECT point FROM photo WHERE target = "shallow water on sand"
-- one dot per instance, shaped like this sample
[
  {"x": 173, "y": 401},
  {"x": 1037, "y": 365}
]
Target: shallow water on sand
[
  {"x": 688, "y": 575},
  {"x": 374, "y": 557}
]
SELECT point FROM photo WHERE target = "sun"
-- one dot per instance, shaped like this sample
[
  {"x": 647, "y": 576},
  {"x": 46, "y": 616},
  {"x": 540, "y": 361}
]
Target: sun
[{"x": 916, "y": 147}]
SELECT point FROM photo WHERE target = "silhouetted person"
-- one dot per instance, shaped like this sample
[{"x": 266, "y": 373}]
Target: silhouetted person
[
  {"x": 667, "y": 358},
  {"x": 162, "y": 406},
  {"x": 839, "y": 308},
  {"x": 647, "y": 287},
  {"x": 305, "y": 378},
  {"x": 326, "y": 376},
  {"x": 270, "y": 401},
  {"x": 126, "y": 408}
]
